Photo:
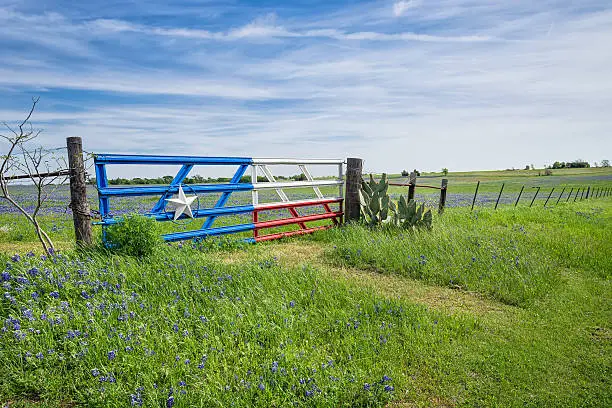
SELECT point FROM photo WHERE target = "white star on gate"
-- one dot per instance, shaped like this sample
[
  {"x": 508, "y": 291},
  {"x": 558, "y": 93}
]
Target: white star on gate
[{"x": 182, "y": 204}]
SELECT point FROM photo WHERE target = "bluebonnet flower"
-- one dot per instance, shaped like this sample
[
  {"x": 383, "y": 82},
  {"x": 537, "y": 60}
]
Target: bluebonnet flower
[
  {"x": 367, "y": 386},
  {"x": 261, "y": 386},
  {"x": 39, "y": 356},
  {"x": 95, "y": 372},
  {"x": 15, "y": 258},
  {"x": 175, "y": 328},
  {"x": 5, "y": 276},
  {"x": 54, "y": 294},
  {"x": 292, "y": 303},
  {"x": 389, "y": 388},
  {"x": 309, "y": 393},
  {"x": 33, "y": 271},
  {"x": 385, "y": 378},
  {"x": 112, "y": 354},
  {"x": 187, "y": 361},
  {"x": 27, "y": 313},
  {"x": 35, "y": 295},
  {"x": 23, "y": 280},
  {"x": 274, "y": 366},
  {"x": 182, "y": 383},
  {"x": 136, "y": 400}
]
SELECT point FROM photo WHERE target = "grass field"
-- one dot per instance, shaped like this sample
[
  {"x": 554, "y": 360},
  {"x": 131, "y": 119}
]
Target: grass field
[{"x": 491, "y": 308}]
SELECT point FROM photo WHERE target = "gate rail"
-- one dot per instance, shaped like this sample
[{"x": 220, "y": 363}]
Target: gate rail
[{"x": 160, "y": 213}]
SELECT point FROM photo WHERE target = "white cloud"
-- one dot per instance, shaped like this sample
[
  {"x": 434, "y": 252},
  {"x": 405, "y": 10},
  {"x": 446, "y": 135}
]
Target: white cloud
[{"x": 400, "y": 7}]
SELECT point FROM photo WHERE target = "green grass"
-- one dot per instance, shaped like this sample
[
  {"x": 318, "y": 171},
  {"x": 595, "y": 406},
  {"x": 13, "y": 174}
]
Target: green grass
[
  {"x": 512, "y": 255},
  {"x": 313, "y": 320},
  {"x": 491, "y": 181}
]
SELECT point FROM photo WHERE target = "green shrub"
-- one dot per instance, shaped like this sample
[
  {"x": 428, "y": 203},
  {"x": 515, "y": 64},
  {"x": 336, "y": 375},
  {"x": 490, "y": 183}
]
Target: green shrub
[{"x": 135, "y": 235}]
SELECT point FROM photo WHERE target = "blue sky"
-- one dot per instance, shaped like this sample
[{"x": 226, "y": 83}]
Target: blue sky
[{"x": 463, "y": 84}]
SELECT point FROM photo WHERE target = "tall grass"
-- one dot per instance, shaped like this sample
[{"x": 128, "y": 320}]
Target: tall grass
[{"x": 511, "y": 255}]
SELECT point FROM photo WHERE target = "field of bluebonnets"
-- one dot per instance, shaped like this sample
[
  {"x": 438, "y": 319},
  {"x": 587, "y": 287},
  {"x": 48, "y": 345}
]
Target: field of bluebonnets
[{"x": 490, "y": 308}]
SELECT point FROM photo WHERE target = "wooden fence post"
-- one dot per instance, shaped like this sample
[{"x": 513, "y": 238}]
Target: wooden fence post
[
  {"x": 582, "y": 194},
  {"x": 587, "y": 193},
  {"x": 412, "y": 186},
  {"x": 352, "y": 209},
  {"x": 78, "y": 192},
  {"x": 442, "y": 196},
  {"x": 569, "y": 195},
  {"x": 499, "y": 196},
  {"x": 576, "y": 196},
  {"x": 475, "y": 194},
  {"x": 519, "y": 196}
]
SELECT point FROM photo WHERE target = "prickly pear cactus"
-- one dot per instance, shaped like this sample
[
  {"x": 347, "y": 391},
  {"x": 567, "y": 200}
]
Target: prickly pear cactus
[
  {"x": 374, "y": 200},
  {"x": 408, "y": 216},
  {"x": 377, "y": 208}
]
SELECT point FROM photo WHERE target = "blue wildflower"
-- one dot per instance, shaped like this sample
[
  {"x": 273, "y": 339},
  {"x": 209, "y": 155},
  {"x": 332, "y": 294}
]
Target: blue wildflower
[
  {"x": 292, "y": 303},
  {"x": 170, "y": 402},
  {"x": 15, "y": 258},
  {"x": 95, "y": 372},
  {"x": 367, "y": 386},
  {"x": 389, "y": 388},
  {"x": 112, "y": 354},
  {"x": 386, "y": 378},
  {"x": 274, "y": 366},
  {"x": 54, "y": 294},
  {"x": 261, "y": 386},
  {"x": 5, "y": 276}
]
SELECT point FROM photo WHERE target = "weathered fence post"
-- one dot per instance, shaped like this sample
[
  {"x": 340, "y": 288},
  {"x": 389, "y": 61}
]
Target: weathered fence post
[
  {"x": 550, "y": 195},
  {"x": 475, "y": 194},
  {"x": 443, "y": 196},
  {"x": 569, "y": 195},
  {"x": 560, "y": 195},
  {"x": 499, "y": 196},
  {"x": 519, "y": 196},
  {"x": 78, "y": 192},
  {"x": 582, "y": 194},
  {"x": 587, "y": 193},
  {"x": 412, "y": 186},
  {"x": 352, "y": 210},
  {"x": 576, "y": 196},
  {"x": 534, "y": 197}
]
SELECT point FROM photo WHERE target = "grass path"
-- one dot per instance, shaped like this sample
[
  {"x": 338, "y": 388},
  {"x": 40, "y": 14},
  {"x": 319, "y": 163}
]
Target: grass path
[{"x": 298, "y": 253}]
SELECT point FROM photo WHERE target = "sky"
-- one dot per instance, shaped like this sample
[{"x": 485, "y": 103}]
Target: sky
[{"x": 461, "y": 84}]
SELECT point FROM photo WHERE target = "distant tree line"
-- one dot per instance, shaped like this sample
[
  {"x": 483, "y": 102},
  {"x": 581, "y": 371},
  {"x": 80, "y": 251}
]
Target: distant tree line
[
  {"x": 576, "y": 164},
  {"x": 197, "y": 179}
]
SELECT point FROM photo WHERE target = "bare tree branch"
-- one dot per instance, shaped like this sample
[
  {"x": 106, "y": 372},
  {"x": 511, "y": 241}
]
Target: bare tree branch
[{"x": 33, "y": 163}]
